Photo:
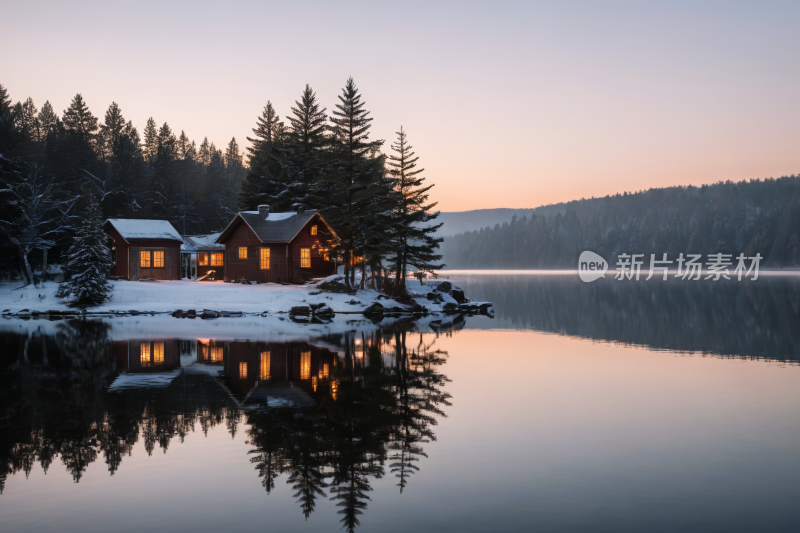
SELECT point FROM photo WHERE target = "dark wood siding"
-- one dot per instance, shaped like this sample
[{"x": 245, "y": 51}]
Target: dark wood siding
[
  {"x": 304, "y": 239},
  {"x": 172, "y": 260},
  {"x": 120, "y": 268}
]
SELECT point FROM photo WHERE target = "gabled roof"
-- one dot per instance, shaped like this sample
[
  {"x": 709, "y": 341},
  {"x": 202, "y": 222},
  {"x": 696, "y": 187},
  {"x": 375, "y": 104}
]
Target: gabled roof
[
  {"x": 201, "y": 243},
  {"x": 141, "y": 229},
  {"x": 277, "y": 227}
]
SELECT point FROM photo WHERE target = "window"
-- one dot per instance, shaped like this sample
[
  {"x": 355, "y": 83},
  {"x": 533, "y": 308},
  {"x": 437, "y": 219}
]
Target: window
[
  {"x": 314, "y": 229},
  {"x": 243, "y": 252},
  {"x": 114, "y": 254},
  {"x": 202, "y": 260},
  {"x": 216, "y": 259},
  {"x": 243, "y": 370},
  {"x": 264, "y": 365},
  {"x": 215, "y": 354},
  {"x": 264, "y": 263},
  {"x": 305, "y": 257},
  {"x": 158, "y": 259},
  {"x": 158, "y": 352},
  {"x": 305, "y": 365},
  {"x": 144, "y": 353},
  {"x": 145, "y": 258}
]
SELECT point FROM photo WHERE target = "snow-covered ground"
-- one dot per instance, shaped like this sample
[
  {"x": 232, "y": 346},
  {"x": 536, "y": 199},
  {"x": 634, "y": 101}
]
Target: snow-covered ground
[{"x": 159, "y": 296}]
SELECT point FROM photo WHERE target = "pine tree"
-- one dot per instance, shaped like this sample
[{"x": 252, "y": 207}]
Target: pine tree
[
  {"x": 264, "y": 154},
  {"x": 150, "y": 140},
  {"x": 28, "y": 120},
  {"x": 47, "y": 119},
  {"x": 88, "y": 260},
  {"x": 112, "y": 128},
  {"x": 354, "y": 192},
  {"x": 302, "y": 164},
  {"x": 413, "y": 238},
  {"x": 9, "y": 133},
  {"x": 162, "y": 185},
  {"x": 79, "y": 120}
]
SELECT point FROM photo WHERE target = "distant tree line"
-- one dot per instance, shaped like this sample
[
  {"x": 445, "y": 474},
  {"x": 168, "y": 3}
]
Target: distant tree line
[
  {"x": 755, "y": 216},
  {"x": 51, "y": 166}
]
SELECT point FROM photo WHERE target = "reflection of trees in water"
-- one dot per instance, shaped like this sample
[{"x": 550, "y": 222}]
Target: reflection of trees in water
[
  {"x": 380, "y": 400},
  {"x": 748, "y": 318},
  {"x": 387, "y": 397},
  {"x": 56, "y": 404}
]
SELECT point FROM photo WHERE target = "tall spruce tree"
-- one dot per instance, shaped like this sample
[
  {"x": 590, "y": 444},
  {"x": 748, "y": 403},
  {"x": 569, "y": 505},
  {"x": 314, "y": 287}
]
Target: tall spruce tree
[
  {"x": 264, "y": 154},
  {"x": 47, "y": 119},
  {"x": 305, "y": 144},
  {"x": 414, "y": 243},
  {"x": 88, "y": 260},
  {"x": 79, "y": 120},
  {"x": 10, "y": 137},
  {"x": 355, "y": 192},
  {"x": 150, "y": 140}
]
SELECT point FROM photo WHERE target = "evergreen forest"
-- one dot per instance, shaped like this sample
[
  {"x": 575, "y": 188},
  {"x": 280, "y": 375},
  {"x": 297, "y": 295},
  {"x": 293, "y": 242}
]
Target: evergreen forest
[
  {"x": 754, "y": 216},
  {"x": 53, "y": 165}
]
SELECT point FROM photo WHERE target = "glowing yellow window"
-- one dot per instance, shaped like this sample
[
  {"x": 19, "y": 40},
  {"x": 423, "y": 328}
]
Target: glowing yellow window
[
  {"x": 305, "y": 257},
  {"x": 305, "y": 365},
  {"x": 202, "y": 260},
  {"x": 264, "y": 259},
  {"x": 158, "y": 259},
  {"x": 325, "y": 371},
  {"x": 215, "y": 354},
  {"x": 145, "y": 258},
  {"x": 314, "y": 383},
  {"x": 216, "y": 259},
  {"x": 158, "y": 352},
  {"x": 314, "y": 229},
  {"x": 144, "y": 353},
  {"x": 264, "y": 365},
  {"x": 243, "y": 252},
  {"x": 243, "y": 370}
]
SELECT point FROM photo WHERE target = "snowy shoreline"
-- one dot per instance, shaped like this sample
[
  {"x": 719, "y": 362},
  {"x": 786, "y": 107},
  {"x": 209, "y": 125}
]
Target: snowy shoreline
[{"x": 157, "y": 297}]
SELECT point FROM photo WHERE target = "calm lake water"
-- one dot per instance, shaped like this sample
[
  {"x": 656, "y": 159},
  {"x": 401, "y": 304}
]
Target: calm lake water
[{"x": 611, "y": 406}]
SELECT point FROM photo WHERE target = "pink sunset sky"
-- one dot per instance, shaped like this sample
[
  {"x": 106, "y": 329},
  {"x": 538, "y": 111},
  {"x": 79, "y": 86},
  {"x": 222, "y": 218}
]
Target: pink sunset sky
[{"x": 508, "y": 104}]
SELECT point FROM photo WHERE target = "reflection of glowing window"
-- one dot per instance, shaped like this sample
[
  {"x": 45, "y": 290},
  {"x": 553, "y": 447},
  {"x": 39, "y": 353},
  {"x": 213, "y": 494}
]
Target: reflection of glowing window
[
  {"x": 243, "y": 252},
  {"x": 215, "y": 354},
  {"x": 158, "y": 259},
  {"x": 158, "y": 352},
  {"x": 216, "y": 259},
  {"x": 145, "y": 258},
  {"x": 334, "y": 389},
  {"x": 305, "y": 365},
  {"x": 314, "y": 383},
  {"x": 305, "y": 257},
  {"x": 202, "y": 259},
  {"x": 243, "y": 370},
  {"x": 145, "y": 352},
  {"x": 264, "y": 263},
  {"x": 264, "y": 365},
  {"x": 325, "y": 371}
]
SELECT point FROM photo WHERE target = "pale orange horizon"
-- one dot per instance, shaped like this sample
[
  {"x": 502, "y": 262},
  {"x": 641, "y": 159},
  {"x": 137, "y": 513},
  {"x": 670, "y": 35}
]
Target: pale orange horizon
[{"x": 507, "y": 104}]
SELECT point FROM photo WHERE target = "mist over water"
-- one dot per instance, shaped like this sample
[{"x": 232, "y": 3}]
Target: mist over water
[{"x": 579, "y": 406}]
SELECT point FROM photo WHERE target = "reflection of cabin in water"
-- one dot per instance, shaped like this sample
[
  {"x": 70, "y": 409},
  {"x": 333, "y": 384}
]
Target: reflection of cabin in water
[
  {"x": 148, "y": 355},
  {"x": 277, "y": 247},
  {"x": 280, "y": 374},
  {"x": 210, "y": 351},
  {"x": 144, "y": 249}
]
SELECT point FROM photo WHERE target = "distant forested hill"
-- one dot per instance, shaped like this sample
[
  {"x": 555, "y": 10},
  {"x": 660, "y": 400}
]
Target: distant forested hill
[{"x": 729, "y": 217}]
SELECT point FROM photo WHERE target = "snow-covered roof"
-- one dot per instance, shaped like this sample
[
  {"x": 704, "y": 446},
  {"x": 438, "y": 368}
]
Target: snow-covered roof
[
  {"x": 195, "y": 243},
  {"x": 275, "y": 227},
  {"x": 151, "y": 230}
]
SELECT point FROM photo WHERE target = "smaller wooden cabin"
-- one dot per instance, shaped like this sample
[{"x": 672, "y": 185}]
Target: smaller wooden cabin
[
  {"x": 144, "y": 249},
  {"x": 277, "y": 247},
  {"x": 201, "y": 254}
]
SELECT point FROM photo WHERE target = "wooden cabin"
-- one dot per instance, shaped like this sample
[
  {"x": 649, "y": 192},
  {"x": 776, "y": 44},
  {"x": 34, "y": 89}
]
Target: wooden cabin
[
  {"x": 277, "y": 247},
  {"x": 144, "y": 249}
]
